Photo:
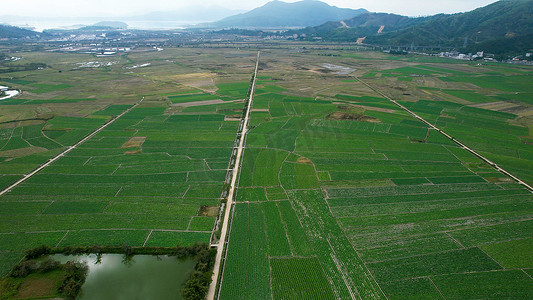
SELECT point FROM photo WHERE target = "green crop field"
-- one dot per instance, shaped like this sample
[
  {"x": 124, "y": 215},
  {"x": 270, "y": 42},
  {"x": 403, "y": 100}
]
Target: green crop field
[
  {"x": 341, "y": 194},
  {"x": 342, "y": 189},
  {"x": 152, "y": 178}
]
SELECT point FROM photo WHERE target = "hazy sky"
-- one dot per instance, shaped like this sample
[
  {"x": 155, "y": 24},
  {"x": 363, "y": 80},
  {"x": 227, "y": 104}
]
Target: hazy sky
[{"x": 106, "y": 8}]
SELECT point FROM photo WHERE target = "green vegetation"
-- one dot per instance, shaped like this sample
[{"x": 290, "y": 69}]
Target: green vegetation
[
  {"x": 481, "y": 30},
  {"x": 140, "y": 182},
  {"x": 42, "y": 88},
  {"x": 236, "y": 90},
  {"x": 43, "y": 278},
  {"x": 311, "y": 284},
  {"x": 511, "y": 254},
  {"x": 364, "y": 200},
  {"x": 341, "y": 194}
]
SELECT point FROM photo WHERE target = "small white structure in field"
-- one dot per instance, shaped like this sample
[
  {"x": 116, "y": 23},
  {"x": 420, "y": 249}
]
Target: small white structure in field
[{"x": 3, "y": 88}]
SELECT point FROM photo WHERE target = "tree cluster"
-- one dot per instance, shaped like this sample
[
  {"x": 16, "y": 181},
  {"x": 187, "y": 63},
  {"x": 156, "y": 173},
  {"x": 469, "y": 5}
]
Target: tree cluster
[
  {"x": 75, "y": 274},
  {"x": 197, "y": 285}
]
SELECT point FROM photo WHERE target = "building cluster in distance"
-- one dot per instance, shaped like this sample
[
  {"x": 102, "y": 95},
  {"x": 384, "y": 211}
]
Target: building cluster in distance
[{"x": 521, "y": 59}]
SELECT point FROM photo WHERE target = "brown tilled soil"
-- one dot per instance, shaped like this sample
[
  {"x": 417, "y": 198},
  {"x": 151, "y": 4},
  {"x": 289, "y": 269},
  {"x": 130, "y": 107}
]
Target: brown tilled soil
[
  {"x": 199, "y": 103},
  {"x": 132, "y": 152},
  {"x": 21, "y": 152},
  {"x": 350, "y": 116},
  {"x": 304, "y": 160},
  {"x": 208, "y": 211},
  {"x": 134, "y": 142},
  {"x": 391, "y": 111},
  {"x": 498, "y": 179},
  {"x": 40, "y": 287},
  {"x": 234, "y": 117}
]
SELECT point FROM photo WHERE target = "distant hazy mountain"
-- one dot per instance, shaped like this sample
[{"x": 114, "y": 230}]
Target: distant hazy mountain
[
  {"x": 7, "y": 31},
  {"x": 111, "y": 24},
  {"x": 106, "y": 25},
  {"x": 191, "y": 14},
  {"x": 276, "y": 14},
  {"x": 505, "y": 20},
  {"x": 162, "y": 19}
]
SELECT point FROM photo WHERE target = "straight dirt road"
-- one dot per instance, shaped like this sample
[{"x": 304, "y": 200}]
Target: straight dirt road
[
  {"x": 52, "y": 160},
  {"x": 229, "y": 203}
]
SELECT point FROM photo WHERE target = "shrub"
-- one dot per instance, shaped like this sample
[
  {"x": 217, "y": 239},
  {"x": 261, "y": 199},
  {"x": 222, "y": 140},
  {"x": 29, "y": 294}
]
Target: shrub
[
  {"x": 38, "y": 252},
  {"x": 127, "y": 250},
  {"x": 197, "y": 286},
  {"x": 24, "y": 269},
  {"x": 28, "y": 267},
  {"x": 76, "y": 272},
  {"x": 49, "y": 265}
]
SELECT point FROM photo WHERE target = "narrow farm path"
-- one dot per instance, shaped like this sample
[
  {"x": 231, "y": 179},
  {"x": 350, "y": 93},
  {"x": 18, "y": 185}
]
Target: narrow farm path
[
  {"x": 241, "y": 137},
  {"x": 431, "y": 126},
  {"x": 55, "y": 158}
]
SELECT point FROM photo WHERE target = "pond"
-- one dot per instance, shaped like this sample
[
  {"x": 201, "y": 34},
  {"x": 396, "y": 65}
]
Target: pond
[{"x": 140, "y": 277}]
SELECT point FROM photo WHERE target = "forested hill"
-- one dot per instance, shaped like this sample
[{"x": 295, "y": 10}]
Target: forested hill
[
  {"x": 282, "y": 14},
  {"x": 7, "y": 31},
  {"x": 505, "y": 20}
]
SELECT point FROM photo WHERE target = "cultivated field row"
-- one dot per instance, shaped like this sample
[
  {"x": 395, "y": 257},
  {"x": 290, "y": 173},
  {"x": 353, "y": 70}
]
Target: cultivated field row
[
  {"x": 355, "y": 198},
  {"x": 153, "y": 177}
]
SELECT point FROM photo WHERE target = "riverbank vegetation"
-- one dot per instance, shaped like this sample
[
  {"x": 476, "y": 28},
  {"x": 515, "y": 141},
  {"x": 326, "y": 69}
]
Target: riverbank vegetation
[
  {"x": 39, "y": 276},
  {"x": 43, "y": 278}
]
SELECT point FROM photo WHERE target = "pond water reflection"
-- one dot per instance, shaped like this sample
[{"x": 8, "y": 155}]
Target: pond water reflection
[{"x": 111, "y": 276}]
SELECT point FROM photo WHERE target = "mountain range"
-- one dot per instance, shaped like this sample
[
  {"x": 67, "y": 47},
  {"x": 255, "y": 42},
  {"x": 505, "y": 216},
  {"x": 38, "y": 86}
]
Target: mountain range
[
  {"x": 8, "y": 31},
  {"x": 279, "y": 14},
  {"x": 504, "y": 27},
  {"x": 487, "y": 28}
]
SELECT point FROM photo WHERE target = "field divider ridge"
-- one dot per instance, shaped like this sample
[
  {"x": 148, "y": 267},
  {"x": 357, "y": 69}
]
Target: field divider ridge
[{"x": 66, "y": 151}]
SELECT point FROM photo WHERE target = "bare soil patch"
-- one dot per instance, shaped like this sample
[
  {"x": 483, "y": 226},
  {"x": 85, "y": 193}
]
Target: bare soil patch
[
  {"x": 360, "y": 41},
  {"x": 208, "y": 211},
  {"x": 202, "y": 81},
  {"x": 22, "y": 152},
  {"x": 323, "y": 71},
  {"x": 232, "y": 118},
  {"x": 304, "y": 160},
  {"x": 390, "y": 111},
  {"x": 132, "y": 152},
  {"x": 498, "y": 179},
  {"x": 40, "y": 287},
  {"x": 351, "y": 116},
  {"x": 134, "y": 142},
  {"x": 495, "y": 105},
  {"x": 506, "y": 106},
  {"x": 201, "y": 103}
]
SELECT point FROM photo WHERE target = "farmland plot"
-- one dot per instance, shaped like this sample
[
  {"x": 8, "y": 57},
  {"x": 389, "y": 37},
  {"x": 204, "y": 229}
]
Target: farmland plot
[
  {"x": 144, "y": 196},
  {"x": 140, "y": 169},
  {"x": 152, "y": 178},
  {"x": 375, "y": 204}
]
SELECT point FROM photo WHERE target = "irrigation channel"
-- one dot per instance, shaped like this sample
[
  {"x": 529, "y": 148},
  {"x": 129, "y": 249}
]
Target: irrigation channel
[
  {"x": 431, "y": 126},
  {"x": 241, "y": 138},
  {"x": 55, "y": 158}
]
